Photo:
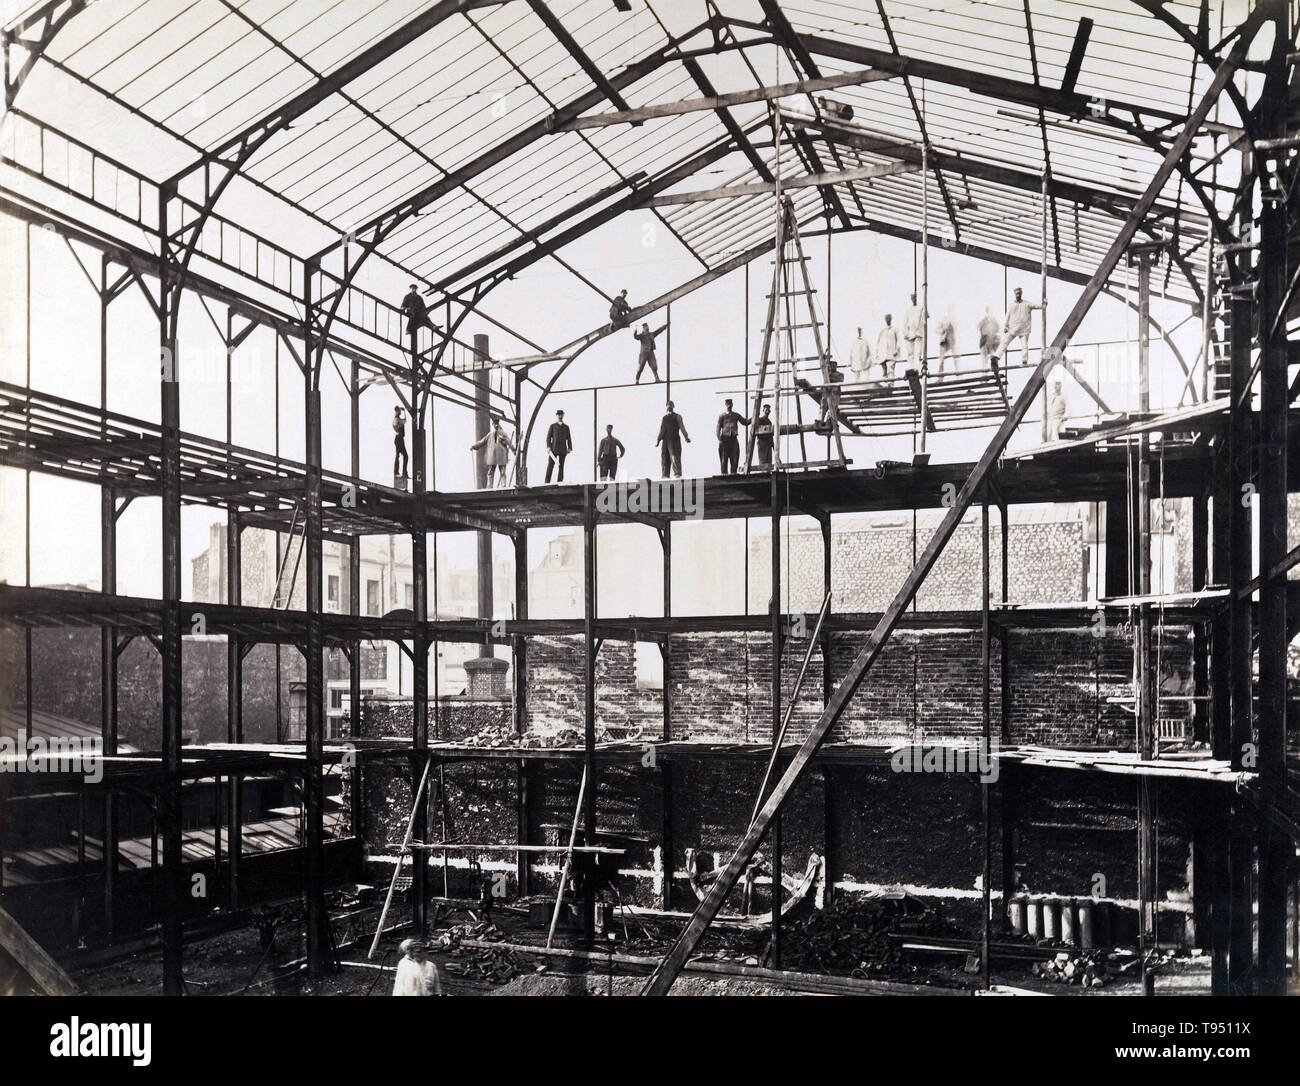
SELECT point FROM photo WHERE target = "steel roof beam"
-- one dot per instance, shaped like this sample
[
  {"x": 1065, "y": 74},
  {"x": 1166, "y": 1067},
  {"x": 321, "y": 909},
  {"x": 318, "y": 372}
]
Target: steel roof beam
[
  {"x": 978, "y": 81},
  {"x": 576, "y": 51}
]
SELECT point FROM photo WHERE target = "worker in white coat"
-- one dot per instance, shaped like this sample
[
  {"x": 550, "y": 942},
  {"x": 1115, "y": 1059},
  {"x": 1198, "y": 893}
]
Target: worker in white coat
[
  {"x": 416, "y": 975},
  {"x": 1058, "y": 410},
  {"x": 1019, "y": 324},
  {"x": 914, "y": 331},
  {"x": 860, "y": 357},
  {"x": 990, "y": 338},
  {"x": 946, "y": 331},
  {"x": 888, "y": 346}
]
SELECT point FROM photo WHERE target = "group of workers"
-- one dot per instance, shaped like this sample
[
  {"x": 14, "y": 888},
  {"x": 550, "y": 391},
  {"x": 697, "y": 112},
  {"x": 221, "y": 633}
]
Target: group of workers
[
  {"x": 905, "y": 344},
  {"x": 894, "y": 344},
  {"x": 498, "y": 445}
]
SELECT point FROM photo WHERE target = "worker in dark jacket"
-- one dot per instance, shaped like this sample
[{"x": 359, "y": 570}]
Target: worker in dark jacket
[
  {"x": 417, "y": 312},
  {"x": 728, "y": 430},
  {"x": 609, "y": 453},
  {"x": 559, "y": 443},
  {"x": 646, "y": 356},
  {"x": 671, "y": 431},
  {"x": 401, "y": 461},
  {"x": 764, "y": 436},
  {"x": 618, "y": 311}
]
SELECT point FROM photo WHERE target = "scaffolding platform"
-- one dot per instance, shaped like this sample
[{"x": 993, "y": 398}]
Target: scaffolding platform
[{"x": 952, "y": 400}]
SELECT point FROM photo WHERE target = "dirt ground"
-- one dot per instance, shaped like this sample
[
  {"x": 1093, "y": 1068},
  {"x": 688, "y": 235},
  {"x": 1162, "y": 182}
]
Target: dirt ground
[{"x": 266, "y": 960}]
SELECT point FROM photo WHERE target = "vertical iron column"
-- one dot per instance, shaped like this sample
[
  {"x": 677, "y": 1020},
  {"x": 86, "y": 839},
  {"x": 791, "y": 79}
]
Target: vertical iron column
[
  {"x": 1146, "y": 680},
  {"x": 520, "y": 646},
  {"x": 482, "y": 424},
  {"x": 169, "y": 797},
  {"x": 829, "y": 859},
  {"x": 313, "y": 768},
  {"x": 589, "y": 694},
  {"x": 108, "y": 695},
  {"x": 985, "y": 814},
  {"x": 1220, "y": 716},
  {"x": 420, "y": 651},
  {"x": 775, "y": 615},
  {"x": 356, "y": 807},
  {"x": 666, "y": 769},
  {"x": 1240, "y": 649},
  {"x": 234, "y": 701},
  {"x": 1276, "y": 851},
  {"x": 108, "y": 635}
]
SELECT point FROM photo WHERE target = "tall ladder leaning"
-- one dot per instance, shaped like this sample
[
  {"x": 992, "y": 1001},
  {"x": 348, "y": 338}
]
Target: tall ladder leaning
[{"x": 781, "y": 301}]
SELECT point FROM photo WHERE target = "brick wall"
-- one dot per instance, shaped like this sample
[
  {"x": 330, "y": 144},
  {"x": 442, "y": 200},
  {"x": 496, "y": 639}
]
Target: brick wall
[
  {"x": 1046, "y": 563},
  {"x": 66, "y": 682},
  {"x": 924, "y": 683}
]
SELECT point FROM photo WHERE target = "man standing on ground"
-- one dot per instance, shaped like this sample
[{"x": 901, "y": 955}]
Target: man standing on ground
[
  {"x": 1019, "y": 324},
  {"x": 559, "y": 443},
  {"x": 497, "y": 446},
  {"x": 728, "y": 429},
  {"x": 671, "y": 431},
  {"x": 887, "y": 346},
  {"x": 646, "y": 355},
  {"x": 416, "y": 975},
  {"x": 914, "y": 331},
  {"x": 764, "y": 437},
  {"x": 401, "y": 461},
  {"x": 609, "y": 453}
]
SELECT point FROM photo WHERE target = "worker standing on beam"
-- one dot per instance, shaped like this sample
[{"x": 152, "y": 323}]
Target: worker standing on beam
[
  {"x": 1058, "y": 410},
  {"x": 671, "y": 431},
  {"x": 728, "y": 430},
  {"x": 990, "y": 337},
  {"x": 860, "y": 357},
  {"x": 618, "y": 311},
  {"x": 401, "y": 461},
  {"x": 914, "y": 318},
  {"x": 559, "y": 443},
  {"x": 417, "y": 314},
  {"x": 764, "y": 437},
  {"x": 497, "y": 446},
  {"x": 1019, "y": 323},
  {"x": 887, "y": 346},
  {"x": 609, "y": 453},
  {"x": 646, "y": 355},
  {"x": 946, "y": 330}
]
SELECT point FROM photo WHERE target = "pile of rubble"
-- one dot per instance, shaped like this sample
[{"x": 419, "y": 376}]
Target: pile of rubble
[
  {"x": 503, "y": 735},
  {"x": 853, "y": 935},
  {"x": 1089, "y": 969},
  {"x": 495, "y": 965}
]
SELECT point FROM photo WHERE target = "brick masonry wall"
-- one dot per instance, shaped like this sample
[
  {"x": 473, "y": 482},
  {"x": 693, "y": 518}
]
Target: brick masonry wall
[
  {"x": 1045, "y": 562},
  {"x": 924, "y": 684},
  {"x": 556, "y": 694},
  {"x": 66, "y": 682}
]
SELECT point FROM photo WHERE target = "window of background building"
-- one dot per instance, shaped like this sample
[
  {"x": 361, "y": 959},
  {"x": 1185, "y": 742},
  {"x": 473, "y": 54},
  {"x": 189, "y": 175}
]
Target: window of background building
[
  {"x": 410, "y": 599},
  {"x": 372, "y": 597},
  {"x": 332, "y": 589}
]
